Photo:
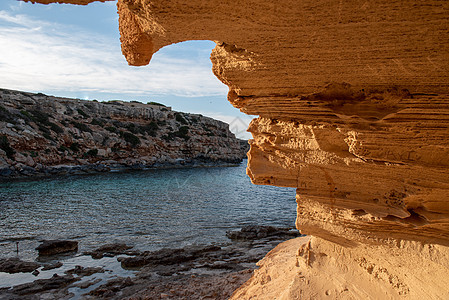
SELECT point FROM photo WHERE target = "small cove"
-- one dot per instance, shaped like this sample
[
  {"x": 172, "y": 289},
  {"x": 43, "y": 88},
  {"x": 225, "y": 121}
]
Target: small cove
[{"x": 149, "y": 210}]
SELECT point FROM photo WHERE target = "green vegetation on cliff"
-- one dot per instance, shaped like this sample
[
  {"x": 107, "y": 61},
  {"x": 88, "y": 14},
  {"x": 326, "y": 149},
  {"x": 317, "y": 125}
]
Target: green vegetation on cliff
[{"x": 46, "y": 130}]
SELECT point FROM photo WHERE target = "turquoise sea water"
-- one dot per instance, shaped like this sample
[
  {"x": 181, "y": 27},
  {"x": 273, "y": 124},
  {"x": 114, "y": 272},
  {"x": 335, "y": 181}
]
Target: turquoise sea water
[{"x": 146, "y": 209}]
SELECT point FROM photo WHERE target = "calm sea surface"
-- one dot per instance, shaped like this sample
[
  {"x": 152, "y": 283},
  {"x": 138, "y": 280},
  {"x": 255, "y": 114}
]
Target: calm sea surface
[{"x": 147, "y": 209}]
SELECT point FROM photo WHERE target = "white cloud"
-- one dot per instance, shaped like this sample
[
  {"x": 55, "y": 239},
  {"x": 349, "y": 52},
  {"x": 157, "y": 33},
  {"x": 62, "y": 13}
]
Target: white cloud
[{"x": 40, "y": 56}]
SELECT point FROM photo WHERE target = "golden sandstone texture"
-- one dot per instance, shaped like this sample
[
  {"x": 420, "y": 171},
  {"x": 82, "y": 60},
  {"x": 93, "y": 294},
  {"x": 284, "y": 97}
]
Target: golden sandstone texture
[{"x": 353, "y": 106}]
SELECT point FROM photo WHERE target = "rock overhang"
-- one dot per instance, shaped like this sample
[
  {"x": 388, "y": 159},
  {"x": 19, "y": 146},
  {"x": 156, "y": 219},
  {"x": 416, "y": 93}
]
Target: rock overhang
[
  {"x": 352, "y": 99},
  {"x": 353, "y": 106}
]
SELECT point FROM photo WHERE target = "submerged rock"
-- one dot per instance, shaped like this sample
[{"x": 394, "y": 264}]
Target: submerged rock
[
  {"x": 53, "y": 247},
  {"x": 109, "y": 250},
  {"x": 81, "y": 271},
  {"x": 40, "y": 285},
  {"x": 108, "y": 290},
  {"x": 52, "y": 266},
  {"x": 167, "y": 256},
  {"x": 86, "y": 284},
  {"x": 15, "y": 265}
]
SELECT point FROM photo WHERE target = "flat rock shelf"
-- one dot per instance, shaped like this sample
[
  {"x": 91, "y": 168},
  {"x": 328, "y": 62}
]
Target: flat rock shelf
[{"x": 116, "y": 271}]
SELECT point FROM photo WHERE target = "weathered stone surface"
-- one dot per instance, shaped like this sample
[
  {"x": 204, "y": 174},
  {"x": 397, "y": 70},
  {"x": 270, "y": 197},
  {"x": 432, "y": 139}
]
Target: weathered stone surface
[
  {"x": 15, "y": 265},
  {"x": 353, "y": 106},
  {"x": 40, "y": 285},
  {"x": 254, "y": 232},
  {"x": 53, "y": 247},
  {"x": 108, "y": 290},
  {"x": 52, "y": 266},
  {"x": 81, "y": 271},
  {"x": 166, "y": 256},
  {"x": 192, "y": 272},
  {"x": 218, "y": 287},
  {"x": 109, "y": 250}
]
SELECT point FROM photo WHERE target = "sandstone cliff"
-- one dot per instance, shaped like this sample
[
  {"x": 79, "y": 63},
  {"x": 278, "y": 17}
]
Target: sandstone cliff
[
  {"x": 353, "y": 108},
  {"x": 43, "y": 134}
]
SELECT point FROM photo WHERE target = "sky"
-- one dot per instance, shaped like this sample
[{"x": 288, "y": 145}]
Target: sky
[{"x": 74, "y": 51}]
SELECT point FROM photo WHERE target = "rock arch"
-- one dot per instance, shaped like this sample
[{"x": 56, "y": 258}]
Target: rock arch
[{"x": 353, "y": 107}]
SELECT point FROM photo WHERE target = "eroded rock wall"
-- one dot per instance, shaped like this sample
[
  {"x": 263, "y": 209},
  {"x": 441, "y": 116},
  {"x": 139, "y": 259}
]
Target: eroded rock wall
[{"x": 353, "y": 107}]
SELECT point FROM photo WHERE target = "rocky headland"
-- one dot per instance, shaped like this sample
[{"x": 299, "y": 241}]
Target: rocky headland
[{"x": 43, "y": 135}]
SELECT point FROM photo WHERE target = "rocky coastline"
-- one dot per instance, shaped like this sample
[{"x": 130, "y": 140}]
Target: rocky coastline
[
  {"x": 43, "y": 136},
  {"x": 193, "y": 272}
]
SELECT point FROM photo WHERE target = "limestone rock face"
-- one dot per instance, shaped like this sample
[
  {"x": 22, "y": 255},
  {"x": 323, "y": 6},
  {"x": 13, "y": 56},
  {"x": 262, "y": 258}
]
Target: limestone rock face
[
  {"x": 44, "y": 135},
  {"x": 353, "y": 106}
]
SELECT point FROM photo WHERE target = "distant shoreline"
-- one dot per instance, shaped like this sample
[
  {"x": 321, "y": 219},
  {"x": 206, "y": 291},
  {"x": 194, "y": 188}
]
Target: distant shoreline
[
  {"x": 43, "y": 136},
  {"x": 30, "y": 173}
]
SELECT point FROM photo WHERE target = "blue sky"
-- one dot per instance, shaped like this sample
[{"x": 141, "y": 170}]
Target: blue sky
[{"x": 74, "y": 51}]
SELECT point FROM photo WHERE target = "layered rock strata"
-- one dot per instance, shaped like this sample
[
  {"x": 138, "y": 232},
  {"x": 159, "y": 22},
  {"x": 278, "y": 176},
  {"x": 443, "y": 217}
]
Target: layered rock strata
[
  {"x": 353, "y": 107},
  {"x": 43, "y": 135}
]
